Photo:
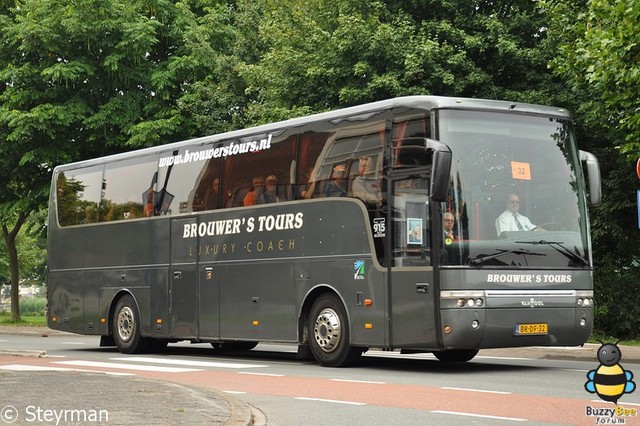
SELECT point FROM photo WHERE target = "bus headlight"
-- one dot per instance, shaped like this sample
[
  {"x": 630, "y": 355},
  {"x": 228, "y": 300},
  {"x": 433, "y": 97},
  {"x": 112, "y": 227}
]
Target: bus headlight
[
  {"x": 462, "y": 299},
  {"x": 469, "y": 303}
]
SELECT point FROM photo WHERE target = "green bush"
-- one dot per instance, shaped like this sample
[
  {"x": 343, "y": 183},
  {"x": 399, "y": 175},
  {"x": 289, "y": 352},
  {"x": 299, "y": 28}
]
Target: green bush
[
  {"x": 33, "y": 306},
  {"x": 616, "y": 308}
]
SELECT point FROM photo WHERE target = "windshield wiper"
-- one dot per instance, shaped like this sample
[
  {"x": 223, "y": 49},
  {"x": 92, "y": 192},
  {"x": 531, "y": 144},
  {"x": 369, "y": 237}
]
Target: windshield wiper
[
  {"x": 480, "y": 260},
  {"x": 560, "y": 248}
]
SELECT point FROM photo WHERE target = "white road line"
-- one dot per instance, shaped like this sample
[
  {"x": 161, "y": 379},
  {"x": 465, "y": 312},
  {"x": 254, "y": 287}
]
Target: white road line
[
  {"x": 260, "y": 374},
  {"x": 504, "y": 358},
  {"x": 358, "y": 381},
  {"x": 121, "y": 366},
  {"x": 456, "y": 413},
  {"x": 188, "y": 363},
  {"x": 22, "y": 367},
  {"x": 476, "y": 390},
  {"x": 619, "y": 402},
  {"x": 333, "y": 401}
]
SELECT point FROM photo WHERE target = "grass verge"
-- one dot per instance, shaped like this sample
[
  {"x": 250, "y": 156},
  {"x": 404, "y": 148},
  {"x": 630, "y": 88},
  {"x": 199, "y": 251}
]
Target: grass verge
[{"x": 26, "y": 320}]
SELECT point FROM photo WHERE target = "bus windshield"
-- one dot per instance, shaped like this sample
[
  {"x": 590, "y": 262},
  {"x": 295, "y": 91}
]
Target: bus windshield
[{"x": 516, "y": 196}]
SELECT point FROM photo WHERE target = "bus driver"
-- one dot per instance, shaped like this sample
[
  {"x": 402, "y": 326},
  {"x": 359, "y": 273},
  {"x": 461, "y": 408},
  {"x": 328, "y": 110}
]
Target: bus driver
[{"x": 510, "y": 220}]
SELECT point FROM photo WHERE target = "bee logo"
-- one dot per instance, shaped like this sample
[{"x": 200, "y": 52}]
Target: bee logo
[{"x": 609, "y": 381}]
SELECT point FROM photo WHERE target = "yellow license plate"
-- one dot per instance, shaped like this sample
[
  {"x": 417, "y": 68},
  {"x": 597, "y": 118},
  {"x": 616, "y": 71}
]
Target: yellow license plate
[{"x": 540, "y": 328}]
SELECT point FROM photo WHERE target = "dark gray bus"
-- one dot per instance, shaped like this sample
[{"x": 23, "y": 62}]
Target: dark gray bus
[{"x": 327, "y": 232}]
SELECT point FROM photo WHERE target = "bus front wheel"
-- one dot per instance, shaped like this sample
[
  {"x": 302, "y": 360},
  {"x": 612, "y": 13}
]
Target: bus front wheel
[
  {"x": 328, "y": 331},
  {"x": 459, "y": 355},
  {"x": 126, "y": 327}
]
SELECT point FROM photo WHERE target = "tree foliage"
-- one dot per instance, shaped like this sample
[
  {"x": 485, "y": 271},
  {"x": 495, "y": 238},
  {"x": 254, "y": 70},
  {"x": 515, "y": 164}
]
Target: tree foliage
[
  {"x": 321, "y": 54},
  {"x": 87, "y": 78},
  {"x": 598, "y": 45}
]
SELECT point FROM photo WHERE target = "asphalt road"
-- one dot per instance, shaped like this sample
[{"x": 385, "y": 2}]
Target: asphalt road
[{"x": 191, "y": 384}]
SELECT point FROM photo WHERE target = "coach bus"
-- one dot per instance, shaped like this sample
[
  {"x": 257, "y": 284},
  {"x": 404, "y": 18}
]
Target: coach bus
[{"x": 328, "y": 232}]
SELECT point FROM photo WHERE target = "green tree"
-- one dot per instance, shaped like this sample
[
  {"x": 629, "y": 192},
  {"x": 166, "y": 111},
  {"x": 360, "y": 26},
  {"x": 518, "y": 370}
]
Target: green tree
[
  {"x": 598, "y": 44},
  {"x": 317, "y": 55},
  {"x": 598, "y": 51},
  {"x": 87, "y": 78}
]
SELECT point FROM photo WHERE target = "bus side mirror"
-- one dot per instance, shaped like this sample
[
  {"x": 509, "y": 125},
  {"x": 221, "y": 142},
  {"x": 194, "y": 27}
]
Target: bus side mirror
[
  {"x": 593, "y": 176},
  {"x": 440, "y": 170}
]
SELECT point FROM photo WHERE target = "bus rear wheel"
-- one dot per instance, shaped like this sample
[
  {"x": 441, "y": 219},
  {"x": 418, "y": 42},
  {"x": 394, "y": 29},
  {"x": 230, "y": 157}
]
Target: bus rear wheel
[
  {"x": 126, "y": 327},
  {"x": 458, "y": 355},
  {"x": 328, "y": 331}
]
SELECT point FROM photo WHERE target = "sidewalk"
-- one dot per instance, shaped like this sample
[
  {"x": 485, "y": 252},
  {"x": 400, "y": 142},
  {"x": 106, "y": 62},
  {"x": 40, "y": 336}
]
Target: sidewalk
[
  {"x": 588, "y": 352},
  {"x": 54, "y": 397},
  {"x": 72, "y": 397}
]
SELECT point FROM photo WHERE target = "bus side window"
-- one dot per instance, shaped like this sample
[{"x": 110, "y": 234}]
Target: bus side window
[
  {"x": 78, "y": 196},
  {"x": 126, "y": 188}
]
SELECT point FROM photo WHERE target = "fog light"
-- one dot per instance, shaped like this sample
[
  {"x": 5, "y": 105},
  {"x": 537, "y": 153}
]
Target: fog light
[
  {"x": 583, "y": 322},
  {"x": 475, "y": 324}
]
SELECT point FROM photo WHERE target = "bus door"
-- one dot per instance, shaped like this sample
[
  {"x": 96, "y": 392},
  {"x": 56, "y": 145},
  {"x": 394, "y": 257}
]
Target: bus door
[
  {"x": 183, "y": 279},
  {"x": 410, "y": 265}
]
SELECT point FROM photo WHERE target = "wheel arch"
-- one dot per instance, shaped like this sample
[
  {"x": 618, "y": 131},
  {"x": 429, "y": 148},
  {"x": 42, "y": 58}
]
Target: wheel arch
[
  {"x": 112, "y": 307},
  {"x": 305, "y": 308}
]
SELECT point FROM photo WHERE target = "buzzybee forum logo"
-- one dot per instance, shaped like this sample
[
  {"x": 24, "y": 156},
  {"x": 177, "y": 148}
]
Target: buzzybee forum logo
[{"x": 610, "y": 381}]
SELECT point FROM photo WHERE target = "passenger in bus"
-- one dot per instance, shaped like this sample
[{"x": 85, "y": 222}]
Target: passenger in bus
[
  {"x": 336, "y": 187},
  {"x": 448, "y": 222},
  {"x": 270, "y": 194},
  {"x": 257, "y": 187},
  {"x": 511, "y": 220},
  {"x": 148, "y": 205},
  {"x": 364, "y": 187},
  {"x": 212, "y": 196},
  {"x": 308, "y": 189}
]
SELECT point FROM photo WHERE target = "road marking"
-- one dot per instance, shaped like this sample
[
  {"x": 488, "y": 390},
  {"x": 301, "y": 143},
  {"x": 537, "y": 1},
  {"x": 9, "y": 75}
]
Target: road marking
[
  {"x": 456, "y": 413},
  {"x": 333, "y": 401},
  {"x": 260, "y": 374},
  {"x": 189, "y": 363},
  {"x": 359, "y": 381},
  {"x": 619, "y": 402},
  {"x": 504, "y": 358},
  {"x": 121, "y": 366},
  {"x": 22, "y": 367},
  {"x": 235, "y": 392},
  {"x": 476, "y": 390}
]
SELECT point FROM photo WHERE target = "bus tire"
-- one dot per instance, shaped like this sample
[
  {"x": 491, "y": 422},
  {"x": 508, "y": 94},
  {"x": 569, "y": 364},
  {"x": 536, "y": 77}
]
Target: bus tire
[
  {"x": 458, "y": 355},
  {"x": 126, "y": 327},
  {"x": 328, "y": 331}
]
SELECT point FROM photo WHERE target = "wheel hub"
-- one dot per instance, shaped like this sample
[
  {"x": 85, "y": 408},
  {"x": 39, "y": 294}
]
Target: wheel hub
[
  {"x": 327, "y": 330},
  {"x": 125, "y": 324}
]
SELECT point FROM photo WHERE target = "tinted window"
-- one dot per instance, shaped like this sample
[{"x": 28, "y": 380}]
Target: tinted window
[
  {"x": 129, "y": 189},
  {"x": 78, "y": 196}
]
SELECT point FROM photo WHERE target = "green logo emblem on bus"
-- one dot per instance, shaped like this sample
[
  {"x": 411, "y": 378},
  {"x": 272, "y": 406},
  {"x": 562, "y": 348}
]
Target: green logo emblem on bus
[{"x": 358, "y": 266}]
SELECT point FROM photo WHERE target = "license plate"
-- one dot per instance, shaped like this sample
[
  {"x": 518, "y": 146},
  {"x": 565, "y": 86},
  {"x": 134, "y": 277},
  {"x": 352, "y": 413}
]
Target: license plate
[{"x": 528, "y": 329}]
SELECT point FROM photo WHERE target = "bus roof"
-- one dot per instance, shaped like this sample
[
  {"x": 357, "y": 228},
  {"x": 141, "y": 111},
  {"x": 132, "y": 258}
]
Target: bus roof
[{"x": 419, "y": 102}]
